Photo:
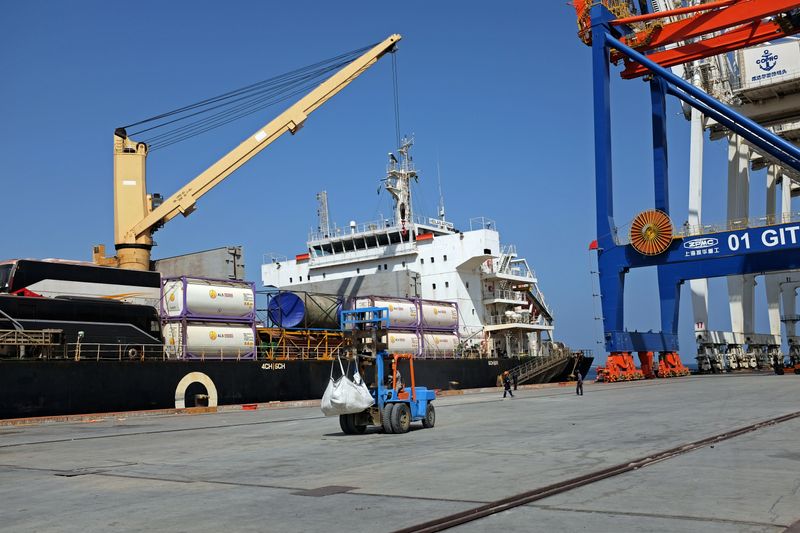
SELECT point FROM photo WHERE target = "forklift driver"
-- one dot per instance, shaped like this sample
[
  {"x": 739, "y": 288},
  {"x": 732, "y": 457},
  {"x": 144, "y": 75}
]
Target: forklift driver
[{"x": 399, "y": 385}]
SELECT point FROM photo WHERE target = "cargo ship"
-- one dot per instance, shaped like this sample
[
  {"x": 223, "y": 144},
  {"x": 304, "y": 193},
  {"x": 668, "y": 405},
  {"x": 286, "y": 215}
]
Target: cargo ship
[{"x": 81, "y": 338}]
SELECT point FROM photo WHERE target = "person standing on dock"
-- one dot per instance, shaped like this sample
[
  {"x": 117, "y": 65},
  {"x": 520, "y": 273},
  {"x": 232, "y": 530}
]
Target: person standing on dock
[
  {"x": 507, "y": 384},
  {"x": 579, "y": 383}
]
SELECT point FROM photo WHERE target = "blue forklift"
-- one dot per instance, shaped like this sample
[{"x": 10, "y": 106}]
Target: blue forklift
[{"x": 396, "y": 406}]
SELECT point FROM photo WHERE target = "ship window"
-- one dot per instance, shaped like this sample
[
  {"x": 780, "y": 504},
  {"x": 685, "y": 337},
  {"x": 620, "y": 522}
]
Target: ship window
[
  {"x": 421, "y": 260},
  {"x": 431, "y": 259},
  {"x": 358, "y": 271},
  {"x": 379, "y": 267},
  {"x": 445, "y": 258},
  {"x": 301, "y": 279},
  {"x": 404, "y": 264},
  {"x": 385, "y": 266},
  {"x": 467, "y": 284},
  {"x": 290, "y": 280},
  {"x": 446, "y": 284},
  {"x": 473, "y": 311},
  {"x": 434, "y": 286}
]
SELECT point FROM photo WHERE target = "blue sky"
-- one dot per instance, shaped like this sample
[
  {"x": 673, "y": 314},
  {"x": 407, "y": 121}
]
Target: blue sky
[{"x": 499, "y": 95}]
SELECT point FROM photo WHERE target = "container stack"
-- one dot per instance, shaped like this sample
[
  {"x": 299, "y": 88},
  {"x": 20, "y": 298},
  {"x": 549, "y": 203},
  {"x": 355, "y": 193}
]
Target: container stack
[
  {"x": 208, "y": 318},
  {"x": 426, "y": 328}
]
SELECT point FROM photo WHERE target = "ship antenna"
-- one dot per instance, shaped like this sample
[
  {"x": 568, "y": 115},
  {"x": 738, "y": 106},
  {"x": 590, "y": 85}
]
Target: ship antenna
[{"x": 441, "y": 196}]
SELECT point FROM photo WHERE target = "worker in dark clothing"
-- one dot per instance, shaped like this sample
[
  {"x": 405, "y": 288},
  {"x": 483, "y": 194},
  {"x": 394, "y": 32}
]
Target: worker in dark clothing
[
  {"x": 514, "y": 379},
  {"x": 507, "y": 384},
  {"x": 579, "y": 384}
]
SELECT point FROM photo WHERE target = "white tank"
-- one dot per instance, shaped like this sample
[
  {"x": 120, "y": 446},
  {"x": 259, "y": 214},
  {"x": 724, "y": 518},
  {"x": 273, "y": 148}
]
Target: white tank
[
  {"x": 207, "y": 298},
  {"x": 439, "y": 344},
  {"x": 402, "y": 342},
  {"x": 402, "y": 313},
  {"x": 210, "y": 341},
  {"x": 439, "y": 315}
]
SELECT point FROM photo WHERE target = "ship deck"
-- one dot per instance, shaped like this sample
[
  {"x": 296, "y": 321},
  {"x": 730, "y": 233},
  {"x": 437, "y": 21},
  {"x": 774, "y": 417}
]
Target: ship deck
[{"x": 293, "y": 470}]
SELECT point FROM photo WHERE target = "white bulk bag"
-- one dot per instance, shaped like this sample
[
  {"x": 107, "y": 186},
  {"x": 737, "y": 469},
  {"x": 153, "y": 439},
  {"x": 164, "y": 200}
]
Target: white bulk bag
[{"x": 345, "y": 396}]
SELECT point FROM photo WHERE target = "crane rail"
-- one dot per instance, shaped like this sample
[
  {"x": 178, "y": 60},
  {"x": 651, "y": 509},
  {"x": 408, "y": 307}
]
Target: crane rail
[{"x": 498, "y": 506}]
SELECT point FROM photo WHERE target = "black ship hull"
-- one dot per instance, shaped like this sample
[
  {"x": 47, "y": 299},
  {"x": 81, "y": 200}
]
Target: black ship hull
[{"x": 30, "y": 388}]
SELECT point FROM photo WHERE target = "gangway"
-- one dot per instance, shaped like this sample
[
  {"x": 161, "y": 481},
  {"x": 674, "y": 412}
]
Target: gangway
[{"x": 536, "y": 366}]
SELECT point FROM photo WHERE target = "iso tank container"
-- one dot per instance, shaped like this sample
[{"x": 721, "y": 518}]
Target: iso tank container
[
  {"x": 207, "y": 299},
  {"x": 403, "y": 312},
  {"x": 209, "y": 341},
  {"x": 303, "y": 310},
  {"x": 439, "y": 345},
  {"x": 402, "y": 342},
  {"x": 438, "y": 315}
]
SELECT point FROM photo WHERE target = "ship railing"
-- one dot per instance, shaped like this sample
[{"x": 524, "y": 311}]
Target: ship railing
[
  {"x": 622, "y": 233},
  {"x": 94, "y": 351},
  {"x": 515, "y": 296},
  {"x": 363, "y": 253},
  {"x": 290, "y": 353},
  {"x": 477, "y": 223},
  {"x": 517, "y": 318},
  {"x": 86, "y": 351},
  {"x": 365, "y": 228}
]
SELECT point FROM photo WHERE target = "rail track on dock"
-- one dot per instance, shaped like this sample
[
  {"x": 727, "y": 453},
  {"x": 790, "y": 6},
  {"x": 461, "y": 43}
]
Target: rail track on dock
[{"x": 524, "y": 498}]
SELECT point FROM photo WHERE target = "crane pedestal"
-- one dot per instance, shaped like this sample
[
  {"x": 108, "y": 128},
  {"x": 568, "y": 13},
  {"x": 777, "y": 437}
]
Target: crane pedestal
[
  {"x": 619, "y": 367},
  {"x": 671, "y": 366}
]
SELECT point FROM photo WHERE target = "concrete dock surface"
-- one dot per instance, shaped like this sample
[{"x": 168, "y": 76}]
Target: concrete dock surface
[{"x": 287, "y": 470}]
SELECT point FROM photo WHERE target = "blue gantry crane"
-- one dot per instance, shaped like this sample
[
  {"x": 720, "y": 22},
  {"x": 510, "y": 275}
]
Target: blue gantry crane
[{"x": 648, "y": 44}]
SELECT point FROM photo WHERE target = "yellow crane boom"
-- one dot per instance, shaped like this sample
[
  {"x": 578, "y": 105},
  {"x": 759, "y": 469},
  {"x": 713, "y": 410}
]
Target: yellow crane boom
[{"x": 135, "y": 217}]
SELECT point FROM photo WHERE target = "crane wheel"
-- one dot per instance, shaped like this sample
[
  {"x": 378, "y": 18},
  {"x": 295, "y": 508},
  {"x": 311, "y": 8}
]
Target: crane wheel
[
  {"x": 386, "y": 417},
  {"x": 430, "y": 417},
  {"x": 401, "y": 418}
]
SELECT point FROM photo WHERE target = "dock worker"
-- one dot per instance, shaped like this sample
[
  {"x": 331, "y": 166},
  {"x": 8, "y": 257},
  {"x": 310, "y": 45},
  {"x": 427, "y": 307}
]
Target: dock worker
[
  {"x": 507, "y": 384},
  {"x": 579, "y": 383}
]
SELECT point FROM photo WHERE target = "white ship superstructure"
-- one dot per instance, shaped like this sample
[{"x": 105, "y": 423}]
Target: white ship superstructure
[{"x": 502, "y": 312}]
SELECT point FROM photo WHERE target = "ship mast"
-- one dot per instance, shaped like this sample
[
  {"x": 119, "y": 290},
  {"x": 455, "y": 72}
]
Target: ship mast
[{"x": 399, "y": 174}]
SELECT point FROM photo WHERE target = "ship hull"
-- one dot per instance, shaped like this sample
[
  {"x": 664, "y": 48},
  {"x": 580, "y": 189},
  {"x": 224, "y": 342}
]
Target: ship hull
[{"x": 62, "y": 387}]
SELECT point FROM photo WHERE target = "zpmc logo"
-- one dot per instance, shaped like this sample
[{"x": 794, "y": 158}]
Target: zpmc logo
[
  {"x": 699, "y": 244},
  {"x": 768, "y": 61},
  {"x": 212, "y": 293}
]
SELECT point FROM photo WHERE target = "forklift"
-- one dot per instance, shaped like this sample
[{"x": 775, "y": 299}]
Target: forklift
[{"x": 396, "y": 406}]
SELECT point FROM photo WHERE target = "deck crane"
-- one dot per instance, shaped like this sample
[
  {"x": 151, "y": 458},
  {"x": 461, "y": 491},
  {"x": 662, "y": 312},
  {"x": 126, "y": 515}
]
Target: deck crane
[
  {"x": 138, "y": 214},
  {"x": 649, "y": 44}
]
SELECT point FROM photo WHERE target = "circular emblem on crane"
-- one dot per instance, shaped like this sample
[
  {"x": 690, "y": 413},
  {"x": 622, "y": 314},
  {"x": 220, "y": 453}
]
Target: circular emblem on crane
[{"x": 651, "y": 232}]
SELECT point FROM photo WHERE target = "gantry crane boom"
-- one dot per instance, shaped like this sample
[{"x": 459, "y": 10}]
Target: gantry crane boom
[{"x": 135, "y": 215}]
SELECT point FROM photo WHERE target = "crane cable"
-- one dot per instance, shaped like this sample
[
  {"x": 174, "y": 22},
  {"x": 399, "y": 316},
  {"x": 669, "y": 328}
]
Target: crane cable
[
  {"x": 216, "y": 111},
  {"x": 396, "y": 90}
]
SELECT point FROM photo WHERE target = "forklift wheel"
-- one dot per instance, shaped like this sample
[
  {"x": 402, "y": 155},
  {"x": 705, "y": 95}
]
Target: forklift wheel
[
  {"x": 346, "y": 423},
  {"x": 349, "y": 426},
  {"x": 401, "y": 418},
  {"x": 386, "y": 417},
  {"x": 430, "y": 417}
]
